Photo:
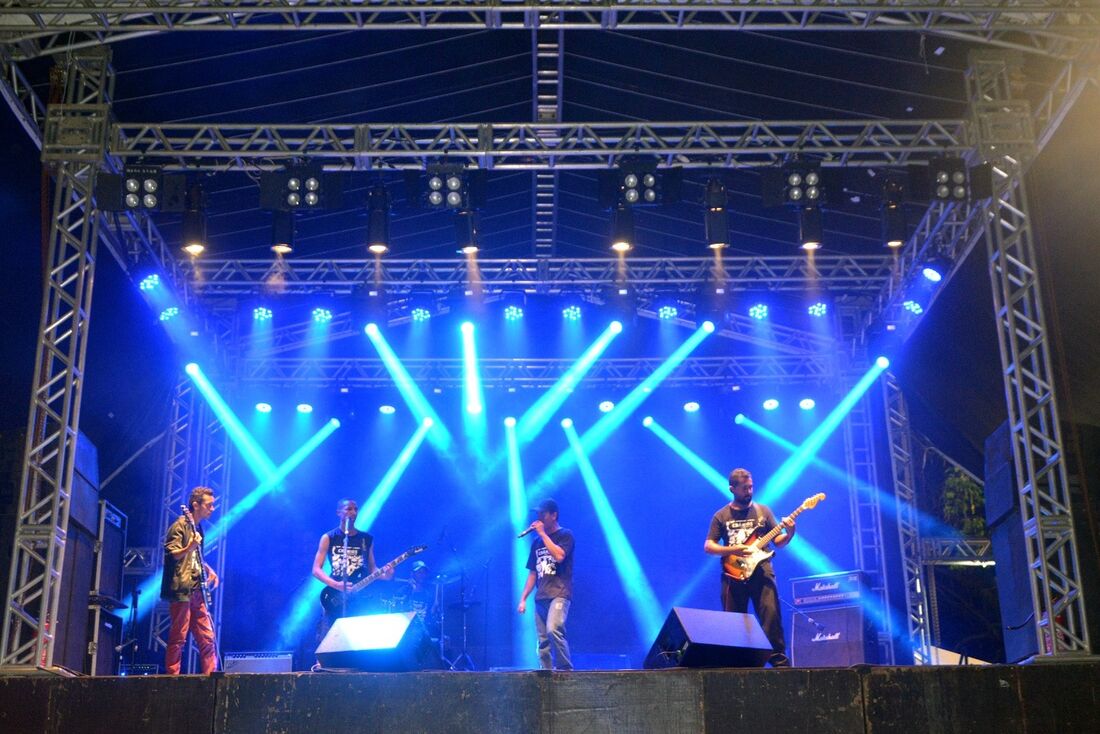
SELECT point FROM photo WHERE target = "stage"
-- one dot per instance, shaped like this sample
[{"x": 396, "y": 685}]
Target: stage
[{"x": 1034, "y": 698}]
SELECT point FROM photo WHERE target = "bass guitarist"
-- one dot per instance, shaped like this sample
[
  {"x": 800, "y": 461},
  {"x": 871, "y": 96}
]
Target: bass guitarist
[
  {"x": 350, "y": 554},
  {"x": 732, "y": 529}
]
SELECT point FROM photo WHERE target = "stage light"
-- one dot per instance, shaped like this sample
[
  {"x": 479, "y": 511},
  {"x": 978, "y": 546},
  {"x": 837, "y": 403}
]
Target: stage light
[
  {"x": 667, "y": 312},
  {"x": 758, "y": 311},
  {"x": 818, "y": 309},
  {"x": 739, "y": 418},
  {"x": 169, "y": 313},
  {"x": 622, "y": 229},
  {"x": 935, "y": 268},
  {"x": 514, "y": 302},
  {"x": 467, "y": 233},
  {"x": 806, "y": 403},
  {"x": 378, "y": 221},
  {"x": 913, "y": 307},
  {"x": 708, "y": 327},
  {"x": 606, "y": 406},
  {"x": 716, "y": 218},
  {"x": 419, "y": 314},
  {"x": 571, "y": 313},
  {"x": 566, "y": 422},
  {"x": 691, "y": 407},
  {"x": 263, "y": 407},
  {"x": 193, "y": 226},
  {"x": 948, "y": 175},
  {"x": 509, "y": 422},
  {"x": 449, "y": 186},
  {"x": 303, "y": 187},
  {"x": 262, "y": 313},
  {"x": 882, "y": 362},
  {"x": 149, "y": 282},
  {"x": 387, "y": 409},
  {"x": 811, "y": 229},
  {"x": 304, "y": 408},
  {"x": 771, "y": 404},
  {"x": 141, "y": 187},
  {"x": 282, "y": 232},
  {"x": 322, "y": 315},
  {"x": 615, "y": 327},
  {"x": 647, "y": 421}
]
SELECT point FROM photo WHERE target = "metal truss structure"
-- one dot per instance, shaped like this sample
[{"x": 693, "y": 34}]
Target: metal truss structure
[
  {"x": 1037, "y": 451},
  {"x": 1047, "y": 26},
  {"x": 77, "y": 135}
]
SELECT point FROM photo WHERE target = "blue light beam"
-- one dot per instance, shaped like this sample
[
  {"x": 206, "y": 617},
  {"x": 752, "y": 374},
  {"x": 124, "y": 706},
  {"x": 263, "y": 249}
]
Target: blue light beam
[
  {"x": 715, "y": 478},
  {"x": 523, "y": 633}
]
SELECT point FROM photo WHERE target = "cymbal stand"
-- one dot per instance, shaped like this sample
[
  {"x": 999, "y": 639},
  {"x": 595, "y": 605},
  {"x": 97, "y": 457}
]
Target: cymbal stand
[{"x": 464, "y": 661}]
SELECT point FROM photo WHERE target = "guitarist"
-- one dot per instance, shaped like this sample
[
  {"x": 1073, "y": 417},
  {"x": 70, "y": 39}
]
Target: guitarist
[
  {"x": 736, "y": 525},
  {"x": 181, "y": 585},
  {"x": 358, "y": 561}
]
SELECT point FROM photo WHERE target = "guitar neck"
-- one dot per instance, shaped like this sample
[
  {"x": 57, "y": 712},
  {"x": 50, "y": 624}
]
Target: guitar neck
[
  {"x": 771, "y": 534},
  {"x": 377, "y": 574}
]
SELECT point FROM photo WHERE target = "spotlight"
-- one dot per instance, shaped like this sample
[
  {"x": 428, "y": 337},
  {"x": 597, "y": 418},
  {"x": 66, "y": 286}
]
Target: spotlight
[
  {"x": 387, "y": 409},
  {"x": 448, "y": 187},
  {"x": 913, "y": 307},
  {"x": 193, "y": 226},
  {"x": 421, "y": 306},
  {"x": 322, "y": 315},
  {"x": 571, "y": 312},
  {"x": 616, "y": 327},
  {"x": 566, "y": 422},
  {"x": 141, "y": 188},
  {"x": 739, "y": 418},
  {"x": 716, "y": 218},
  {"x": 711, "y": 304},
  {"x": 798, "y": 183},
  {"x": 263, "y": 407},
  {"x": 513, "y": 313},
  {"x": 637, "y": 183},
  {"x": 935, "y": 268},
  {"x": 806, "y": 403},
  {"x": 758, "y": 311},
  {"x": 419, "y": 314},
  {"x": 882, "y": 362},
  {"x": 304, "y": 408},
  {"x": 191, "y": 368},
  {"x": 622, "y": 229},
  {"x": 647, "y": 421},
  {"x": 691, "y": 407},
  {"x": 810, "y": 228},
  {"x": 304, "y": 187},
  {"x": 708, "y": 326},
  {"x": 149, "y": 282},
  {"x": 893, "y": 215},
  {"x": 282, "y": 232},
  {"x": 771, "y": 404},
  {"x": 169, "y": 313},
  {"x": 466, "y": 231},
  {"x": 818, "y": 310},
  {"x": 514, "y": 303},
  {"x": 262, "y": 313},
  {"x": 667, "y": 312},
  {"x": 378, "y": 221},
  {"x": 510, "y": 422},
  {"x": 606, "y": 406}
]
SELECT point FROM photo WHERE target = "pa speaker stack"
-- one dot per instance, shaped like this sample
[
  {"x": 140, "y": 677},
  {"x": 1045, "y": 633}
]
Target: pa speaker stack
[
  {"x": 830, "y": 627},
  {"x": 701, "y": 638}
]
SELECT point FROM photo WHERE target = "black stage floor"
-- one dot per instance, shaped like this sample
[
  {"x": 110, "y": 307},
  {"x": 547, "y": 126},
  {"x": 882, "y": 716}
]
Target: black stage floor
[{"x": 1062, "y": 697}]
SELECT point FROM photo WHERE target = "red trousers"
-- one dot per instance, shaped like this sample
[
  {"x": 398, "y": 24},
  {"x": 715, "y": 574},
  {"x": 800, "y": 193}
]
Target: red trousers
[{"x": 190, "y": 615}]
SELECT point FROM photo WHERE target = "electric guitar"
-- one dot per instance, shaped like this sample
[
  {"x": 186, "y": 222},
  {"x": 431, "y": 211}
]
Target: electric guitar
[
  {"x": 202, "y": 561},
  {"x": 740, "y": 568},
  {"x": 331, "y": 598}
]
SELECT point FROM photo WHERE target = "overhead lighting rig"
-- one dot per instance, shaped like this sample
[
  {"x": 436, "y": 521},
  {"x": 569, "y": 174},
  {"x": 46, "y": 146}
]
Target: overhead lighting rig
[
  {"x": 141, "y": 188},
  {"x": 300, "y": 188}
]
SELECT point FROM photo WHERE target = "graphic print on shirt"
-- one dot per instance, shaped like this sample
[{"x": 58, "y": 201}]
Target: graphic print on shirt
[
  {"x": 340, "y": 569},
  {"x": 738, "y": 531},
  {"x": 545, "y": 565}
]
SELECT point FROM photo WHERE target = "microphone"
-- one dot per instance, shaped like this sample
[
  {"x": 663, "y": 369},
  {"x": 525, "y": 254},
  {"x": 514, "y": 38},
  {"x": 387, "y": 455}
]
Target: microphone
[
  {"x": 525, "y": 532},
  {"x": 346, "y": 524}
]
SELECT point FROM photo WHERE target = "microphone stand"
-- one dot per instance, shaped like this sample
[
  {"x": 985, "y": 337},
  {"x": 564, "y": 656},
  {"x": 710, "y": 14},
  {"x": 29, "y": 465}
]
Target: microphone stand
[
  {"x": 820, "y": 627},
  {"x": 345, "y": 527},
  {"x": 463, "y": 657}
]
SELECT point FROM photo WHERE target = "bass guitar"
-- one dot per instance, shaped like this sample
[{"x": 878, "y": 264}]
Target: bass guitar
[
  {"x": 331, "y": 598},
  {"x": 203, "y": 584},
  {"x": 740, "y": 568}
]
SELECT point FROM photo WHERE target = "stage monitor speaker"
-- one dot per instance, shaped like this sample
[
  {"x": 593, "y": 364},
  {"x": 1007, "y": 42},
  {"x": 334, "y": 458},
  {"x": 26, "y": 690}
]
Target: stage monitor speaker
[
  {"x": 701, "y": 638},
  {"x": 833, "y": 637},
  {"x": 376, "y": 642}
]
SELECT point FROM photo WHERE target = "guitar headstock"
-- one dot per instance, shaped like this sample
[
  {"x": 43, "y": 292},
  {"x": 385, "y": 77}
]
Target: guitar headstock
[
  {"x": 417, "y": 549},
  {"x": 187, "y": 513},
  {"x": 811, "y": 502}
]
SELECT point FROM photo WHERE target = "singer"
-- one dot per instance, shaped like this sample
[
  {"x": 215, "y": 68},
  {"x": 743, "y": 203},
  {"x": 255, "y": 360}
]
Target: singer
[
  {"x": 181, "y": 585},
  {"x": 348, "y": 552},
  {"x": 550, "y": 565},
  {"x": 736, "y": 524}
]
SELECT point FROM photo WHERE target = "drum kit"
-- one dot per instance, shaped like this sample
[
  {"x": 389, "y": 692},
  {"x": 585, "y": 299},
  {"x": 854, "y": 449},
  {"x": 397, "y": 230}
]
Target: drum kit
[{"x": 436, "y": 601}]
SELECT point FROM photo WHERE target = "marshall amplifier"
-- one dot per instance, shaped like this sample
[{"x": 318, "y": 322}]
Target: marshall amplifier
[
  {"x": 829, "y": 588},
  {"x": 834, "y": 637}
]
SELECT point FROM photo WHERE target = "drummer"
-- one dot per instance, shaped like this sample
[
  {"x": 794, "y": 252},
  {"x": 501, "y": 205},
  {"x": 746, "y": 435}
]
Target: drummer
[{"x": 421, "y": 594}]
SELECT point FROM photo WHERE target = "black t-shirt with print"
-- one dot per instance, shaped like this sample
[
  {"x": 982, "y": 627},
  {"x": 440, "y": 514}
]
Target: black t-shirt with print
[
  {"x": 359, "y": 546},
  {"x": 555, "y": 579},
  {"x": 731, "y": 526}
]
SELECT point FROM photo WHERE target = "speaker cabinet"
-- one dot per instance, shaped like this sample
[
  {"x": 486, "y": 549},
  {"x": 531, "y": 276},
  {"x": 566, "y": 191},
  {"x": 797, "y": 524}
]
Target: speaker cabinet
[
  {"x": 702, "y": 638},
  {"x": 375, "y": 642},
  {"x": 832, "y": 637}
]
